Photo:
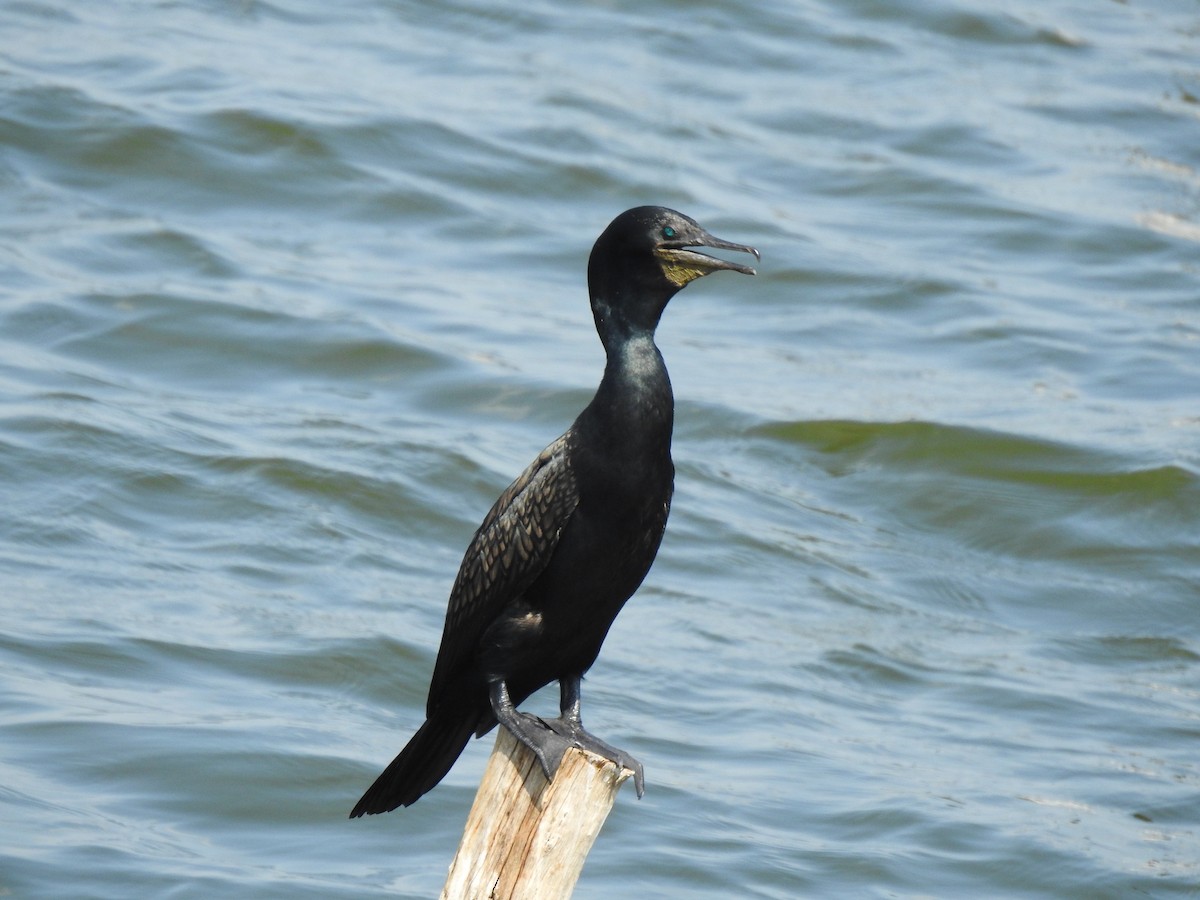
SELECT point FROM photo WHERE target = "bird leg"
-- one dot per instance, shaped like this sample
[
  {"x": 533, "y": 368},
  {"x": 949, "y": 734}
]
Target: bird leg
[
  {"x": 535, "y": 733},
  {"x": 569, "y": 725},
  {"x": 549, "y": 739}
]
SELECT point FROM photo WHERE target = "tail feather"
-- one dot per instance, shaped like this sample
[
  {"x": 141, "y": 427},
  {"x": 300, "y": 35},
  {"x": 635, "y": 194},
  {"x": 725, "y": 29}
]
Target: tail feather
[{"x": 423, "y": 762}]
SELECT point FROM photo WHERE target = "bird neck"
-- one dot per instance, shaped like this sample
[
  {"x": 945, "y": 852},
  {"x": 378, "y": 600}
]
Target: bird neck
[
  {"x": 624, "y": 311},
  {"x": 634, "y": 402}
]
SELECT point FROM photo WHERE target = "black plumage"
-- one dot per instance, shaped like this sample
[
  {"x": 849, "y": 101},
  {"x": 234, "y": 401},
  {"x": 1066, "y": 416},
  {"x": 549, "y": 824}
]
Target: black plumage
[{"x": 571, "y": 539}]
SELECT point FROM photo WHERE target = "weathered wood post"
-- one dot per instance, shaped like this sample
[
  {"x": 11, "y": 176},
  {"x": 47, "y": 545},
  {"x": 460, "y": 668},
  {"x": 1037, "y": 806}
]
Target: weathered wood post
[{"x": 526, "y": 838}]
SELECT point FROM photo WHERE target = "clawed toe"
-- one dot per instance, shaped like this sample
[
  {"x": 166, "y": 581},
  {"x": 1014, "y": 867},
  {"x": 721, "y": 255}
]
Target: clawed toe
[
  {"x": 550, "y": 738},
  {"x": 625, "y": 761},
  {"x": 573, "y": 732},
  {"x": 547, "y": 745}
]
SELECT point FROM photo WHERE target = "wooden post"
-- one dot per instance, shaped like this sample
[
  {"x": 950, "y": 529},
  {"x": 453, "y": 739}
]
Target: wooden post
[{"x": 526, "y": 838}]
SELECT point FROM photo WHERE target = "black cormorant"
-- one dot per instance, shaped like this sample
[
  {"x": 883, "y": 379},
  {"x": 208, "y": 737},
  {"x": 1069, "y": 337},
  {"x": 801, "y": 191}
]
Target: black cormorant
[{"x": 571, "y": 539}]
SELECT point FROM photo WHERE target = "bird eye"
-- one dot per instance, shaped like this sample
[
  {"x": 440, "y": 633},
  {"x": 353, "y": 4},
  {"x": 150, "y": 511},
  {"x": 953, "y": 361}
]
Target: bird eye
[{"x": 668, "y": 232}]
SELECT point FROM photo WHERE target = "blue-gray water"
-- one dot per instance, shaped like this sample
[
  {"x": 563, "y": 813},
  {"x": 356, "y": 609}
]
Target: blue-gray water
[{"x": 289, "y": 291}]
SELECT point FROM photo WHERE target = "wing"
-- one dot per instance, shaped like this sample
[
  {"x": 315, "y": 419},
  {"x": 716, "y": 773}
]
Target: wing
[{"x": 508, "y": 552}]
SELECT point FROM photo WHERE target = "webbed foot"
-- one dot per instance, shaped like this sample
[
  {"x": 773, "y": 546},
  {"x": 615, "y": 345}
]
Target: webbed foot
[
  {"x": 572, "y": 730},
  {"x": 547, "y": 744},
  {"x": 549, "y": 739}
]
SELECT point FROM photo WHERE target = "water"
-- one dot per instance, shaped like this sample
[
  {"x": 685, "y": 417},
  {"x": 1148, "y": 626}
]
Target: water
[{"x": 290, "y": 291}]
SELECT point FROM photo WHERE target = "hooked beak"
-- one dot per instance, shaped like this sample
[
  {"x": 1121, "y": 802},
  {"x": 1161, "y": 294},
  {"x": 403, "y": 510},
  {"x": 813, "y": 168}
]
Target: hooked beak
[{"x": 682, "y": 265}]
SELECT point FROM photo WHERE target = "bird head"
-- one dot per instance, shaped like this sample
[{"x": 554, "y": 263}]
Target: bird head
[{"x": 644, "y": 257}]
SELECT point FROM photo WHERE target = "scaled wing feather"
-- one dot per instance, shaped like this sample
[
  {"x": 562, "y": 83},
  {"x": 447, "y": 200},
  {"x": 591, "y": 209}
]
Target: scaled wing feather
[{"x": 508, "y": 552}]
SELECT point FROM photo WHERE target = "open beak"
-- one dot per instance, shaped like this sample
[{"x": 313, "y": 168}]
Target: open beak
[{"x": 682, "y": 264}]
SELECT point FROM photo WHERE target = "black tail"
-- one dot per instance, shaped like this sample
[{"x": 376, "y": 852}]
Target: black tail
[{"x": 422, "y": 763}]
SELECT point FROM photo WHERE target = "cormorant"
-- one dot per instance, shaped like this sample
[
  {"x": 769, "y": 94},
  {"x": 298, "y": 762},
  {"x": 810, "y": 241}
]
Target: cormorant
[{"x": 571, "y": 539}]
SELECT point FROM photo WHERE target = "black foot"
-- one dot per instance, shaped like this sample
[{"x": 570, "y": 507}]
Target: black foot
[
  {"x": 572, "y": 731},
  {"x": 535, "y": 733},
  {"x": 549, "y": 739}
]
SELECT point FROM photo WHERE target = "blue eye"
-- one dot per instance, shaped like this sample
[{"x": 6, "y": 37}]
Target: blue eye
[{"x": 668, "y": 232}]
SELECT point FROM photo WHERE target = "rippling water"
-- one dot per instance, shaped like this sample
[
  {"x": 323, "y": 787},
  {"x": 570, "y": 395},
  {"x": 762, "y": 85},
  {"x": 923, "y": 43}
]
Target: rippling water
[{"x": 290, "y": 291}]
